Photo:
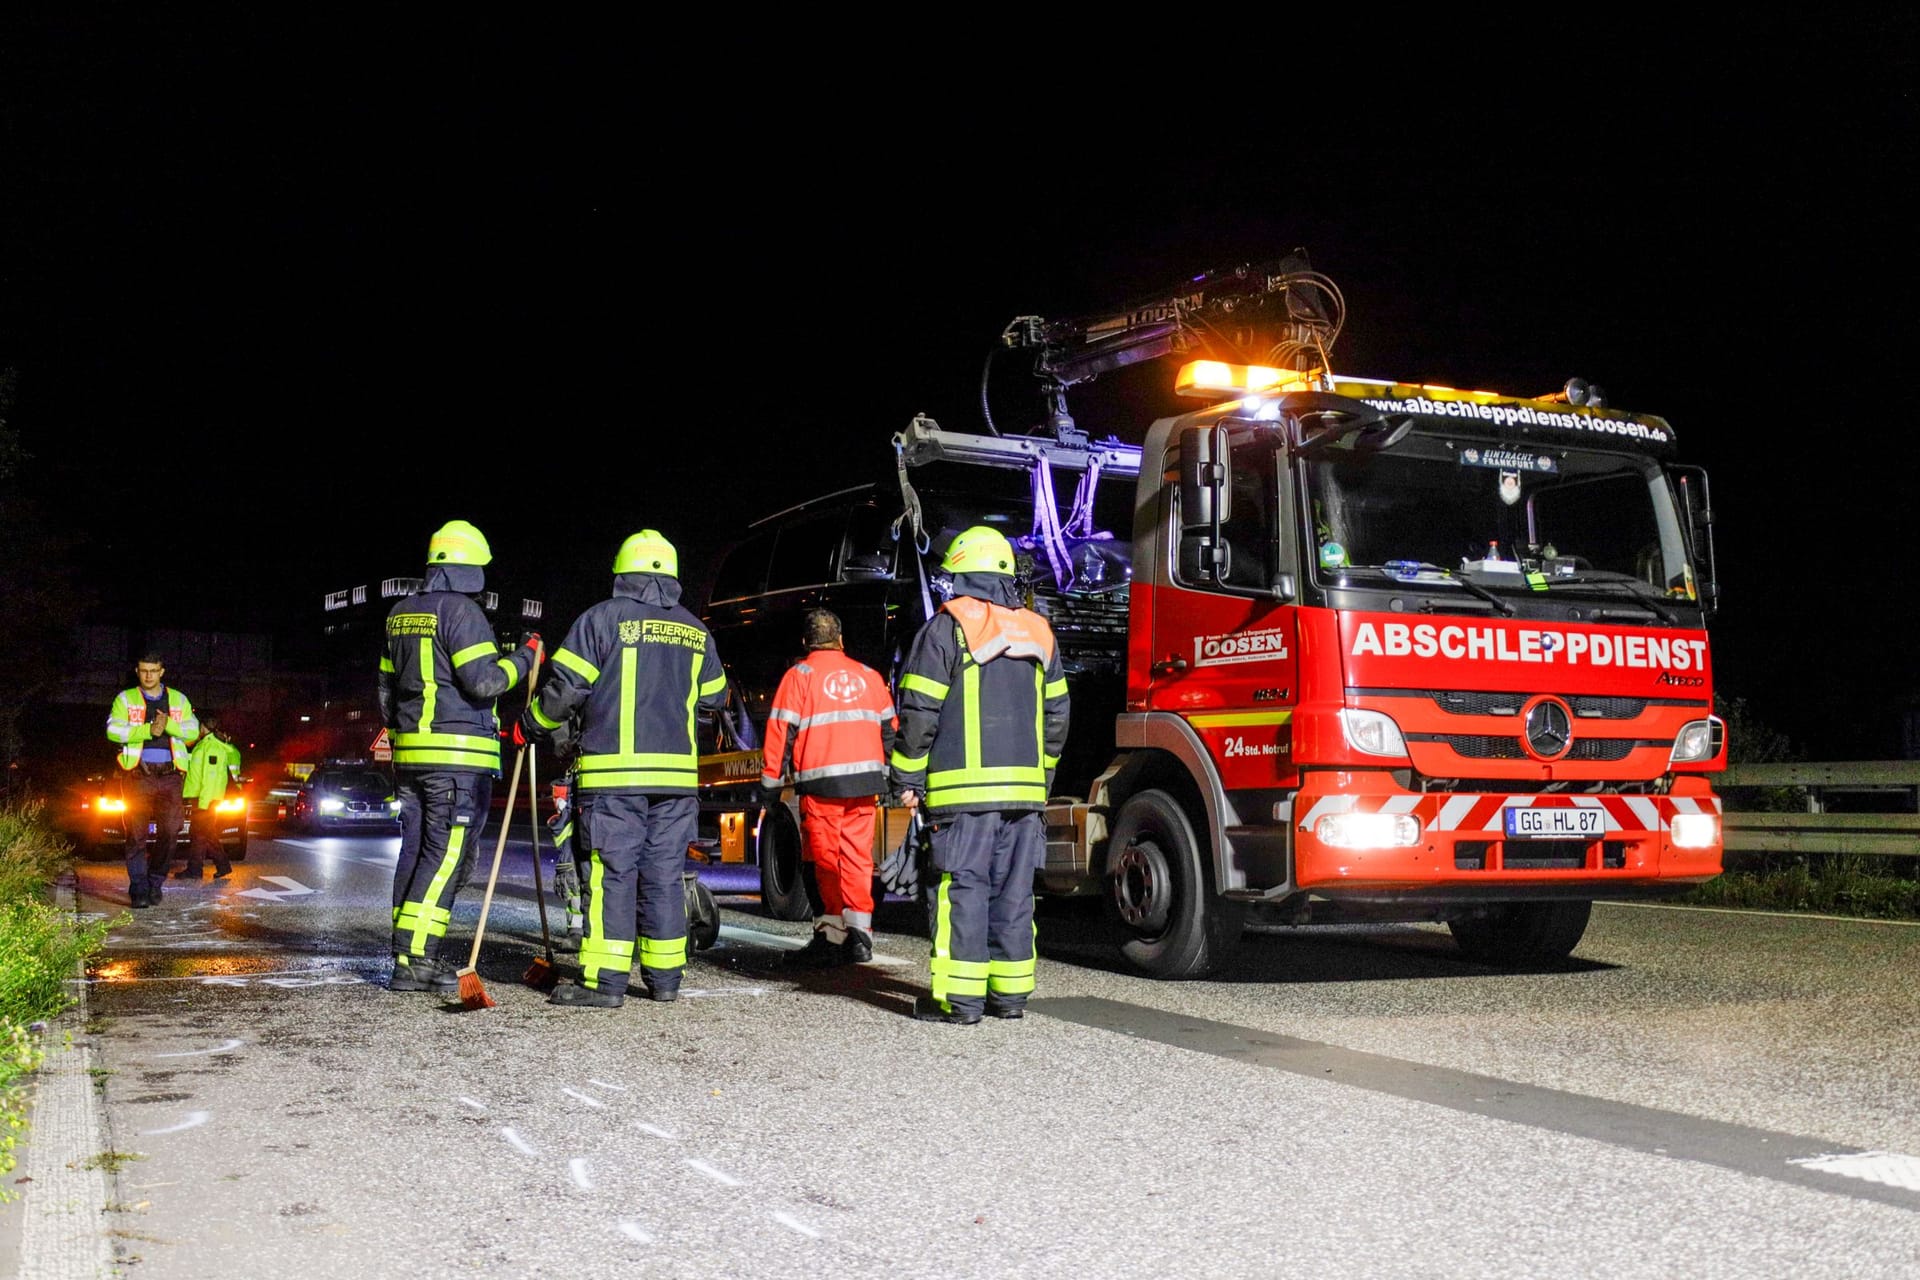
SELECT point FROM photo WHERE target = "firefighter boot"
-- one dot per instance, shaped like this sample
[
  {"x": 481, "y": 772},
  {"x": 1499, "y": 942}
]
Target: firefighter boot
[
  {"x": 422, "y": 973},
  {"x": 821, "y": 952},
  {"x": 1006, "y": 1008},
  {"x": 579, "y": 997},
  {"x": 927, "y": 1009},
  {"x": 858, "y": 948}
]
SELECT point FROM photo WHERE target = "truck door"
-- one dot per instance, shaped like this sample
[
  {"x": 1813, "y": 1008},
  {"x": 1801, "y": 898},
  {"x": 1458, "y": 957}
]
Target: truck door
[{"x": 1225, "y": 647}]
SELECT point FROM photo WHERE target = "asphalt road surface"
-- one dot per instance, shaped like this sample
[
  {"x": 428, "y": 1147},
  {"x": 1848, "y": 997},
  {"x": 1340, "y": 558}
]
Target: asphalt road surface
[{"x": 1695, "y": 1094}]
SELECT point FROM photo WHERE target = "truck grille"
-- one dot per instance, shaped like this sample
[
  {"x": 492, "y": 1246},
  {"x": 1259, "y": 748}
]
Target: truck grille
[
  {"x": 1536, "y": 855},
  {"x": 1473, "y": 702},
  {"x": 1489, "y": 746},
  {"x": 1091, "y": 630}
]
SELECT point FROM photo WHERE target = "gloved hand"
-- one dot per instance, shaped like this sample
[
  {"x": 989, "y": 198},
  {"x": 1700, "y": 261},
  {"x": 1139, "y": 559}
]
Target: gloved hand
[
  {"x": 772, "y": 793},
  {"x": 158, "y": 725},
  {"x": 531, "y": 640},
  {"x": 526, "y": 729}
]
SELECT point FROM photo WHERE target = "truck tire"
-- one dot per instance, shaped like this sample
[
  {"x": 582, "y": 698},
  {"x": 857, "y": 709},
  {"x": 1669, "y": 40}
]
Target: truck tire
[
  {"x": 1522, "y": 933},
  {"x": 1159, "y": 893},
  {"x": 703, "y": 915},
  {"x": 783, "y": 890}
]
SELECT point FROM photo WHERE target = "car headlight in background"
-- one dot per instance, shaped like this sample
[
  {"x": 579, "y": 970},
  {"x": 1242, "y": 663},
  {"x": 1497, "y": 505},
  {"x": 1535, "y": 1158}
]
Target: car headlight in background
[
  {"x": 393, "y": 807},
  {"x": 330, "y": 805},
  {"x": 233, "y": 804},
  {"x": 107, "y": 804}
]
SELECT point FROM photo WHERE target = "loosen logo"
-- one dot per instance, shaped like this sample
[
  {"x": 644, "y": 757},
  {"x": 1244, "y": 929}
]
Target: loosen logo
[{"x": 1244, "y": 646}]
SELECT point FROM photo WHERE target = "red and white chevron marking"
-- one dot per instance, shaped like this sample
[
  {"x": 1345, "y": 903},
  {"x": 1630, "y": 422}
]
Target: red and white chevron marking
[{"x": 1440, "y": 812}]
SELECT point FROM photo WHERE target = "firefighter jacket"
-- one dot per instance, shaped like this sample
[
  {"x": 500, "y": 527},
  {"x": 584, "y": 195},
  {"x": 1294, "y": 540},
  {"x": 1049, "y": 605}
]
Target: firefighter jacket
[
  {"x": 830, "y": 728},
  {"x": 127, "y": 725},
  {"x": 983, "y": 704},
  {"x": 214, "y": 763},
  {"x": 441, "y": 674},
  {"x": 636, "y": 669}
]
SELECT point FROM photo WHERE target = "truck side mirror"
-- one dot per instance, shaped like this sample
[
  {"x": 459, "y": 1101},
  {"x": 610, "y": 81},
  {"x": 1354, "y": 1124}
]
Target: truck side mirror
[{"x": 1206, "y": 496}]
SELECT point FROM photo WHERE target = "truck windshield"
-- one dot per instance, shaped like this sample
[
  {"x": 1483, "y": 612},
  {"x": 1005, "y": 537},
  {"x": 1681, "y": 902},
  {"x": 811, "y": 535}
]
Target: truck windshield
[{"x": 1580, "y": 518}]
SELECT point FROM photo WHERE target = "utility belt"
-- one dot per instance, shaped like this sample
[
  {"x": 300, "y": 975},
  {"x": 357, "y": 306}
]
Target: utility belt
[{"x": 157, "y": 770}]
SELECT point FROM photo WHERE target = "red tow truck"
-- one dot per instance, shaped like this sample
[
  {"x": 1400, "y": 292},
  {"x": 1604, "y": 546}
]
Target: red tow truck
[{"x": 1344, "y": 650}]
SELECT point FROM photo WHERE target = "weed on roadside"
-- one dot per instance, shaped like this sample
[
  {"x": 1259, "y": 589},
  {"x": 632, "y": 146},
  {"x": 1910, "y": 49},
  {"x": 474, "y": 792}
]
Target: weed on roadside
[
  {"x": 1844, "y": 884},
  {"x": 111, "y": 1161}
]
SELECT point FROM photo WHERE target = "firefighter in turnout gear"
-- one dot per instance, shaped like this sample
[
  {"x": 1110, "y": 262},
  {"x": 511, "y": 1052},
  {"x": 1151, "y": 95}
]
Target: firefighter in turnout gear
[
  {"x": 636, "y": 670},
  {"x": 831, "y": 729},
  {"x": 439, "y": 679},
  {"x": 983, "y": 720}
]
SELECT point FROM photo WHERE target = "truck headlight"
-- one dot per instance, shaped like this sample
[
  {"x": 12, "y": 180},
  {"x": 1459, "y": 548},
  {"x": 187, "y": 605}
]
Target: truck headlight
[
  {"x": 1372, "y": 733},
  {"x": 1693, "y": 830},
  {"x": 1698, "y": 740},
  {"x": 1368, "y": 830}
]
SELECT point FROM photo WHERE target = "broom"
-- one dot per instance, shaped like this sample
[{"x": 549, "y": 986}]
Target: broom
[
  {"x": 473, "y": 995},
  {"x": 541, "y": 975}
]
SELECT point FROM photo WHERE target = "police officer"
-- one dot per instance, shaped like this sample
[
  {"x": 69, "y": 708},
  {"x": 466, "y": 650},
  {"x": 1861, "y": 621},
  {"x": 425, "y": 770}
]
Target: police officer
[
  {"x": 636, "y": 669},
  {"x": 983, "y": 720},
  {"x": 152, "y": 724},
  {"x": 439, "y": 679}
]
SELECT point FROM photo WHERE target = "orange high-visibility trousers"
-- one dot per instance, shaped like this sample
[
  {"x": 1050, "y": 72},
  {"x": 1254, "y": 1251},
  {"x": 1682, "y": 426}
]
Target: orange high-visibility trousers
[{"x": 839, "y": 841}]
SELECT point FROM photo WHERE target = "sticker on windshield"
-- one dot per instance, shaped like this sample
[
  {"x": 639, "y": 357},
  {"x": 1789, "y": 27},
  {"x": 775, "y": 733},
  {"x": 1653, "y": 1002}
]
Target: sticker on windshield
[{"x": 1508, "y": 460}]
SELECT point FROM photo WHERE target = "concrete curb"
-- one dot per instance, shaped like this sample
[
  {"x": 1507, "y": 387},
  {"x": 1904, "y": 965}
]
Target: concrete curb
[{"x": 61, "y": 1216}]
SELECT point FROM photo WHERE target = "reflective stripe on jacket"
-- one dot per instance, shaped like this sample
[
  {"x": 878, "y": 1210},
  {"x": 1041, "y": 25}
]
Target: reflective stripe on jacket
[
  {"x": 127, "y": 725},
  {"x": 214, "y": 763},
  {"x": 978, "y": 736},
  {"x": 636, "y": 669},
  {"x": 442, "y": 672},
  {"x": 830, "y": 728}
]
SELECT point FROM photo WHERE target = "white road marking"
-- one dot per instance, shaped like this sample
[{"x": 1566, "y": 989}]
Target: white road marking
[
  {"x": 780, "y": 940},
  {"x": 656, "y": 1131},
  {"x": 229, "y": 980},
  {"x": 520, "y": 1144},
  {"x": 719, "y": 1176},
  {"x": 289, "y": 983},
  {"x": 577, "y": 1168},
  {"x": 1748, "y": 911},
  {"x": 586, "y": 1098},
  {"x": 705, "y": 993},
  {"x": 1890, "y": 1167},
  {"x": 226, "y": 1047},
  {"x": 635, "y": 1231},
  {"x": 792, "y": 1223},
  {"x": 602, "y": 1084},
  {"x": 475, "y": 1103},
  {"x": 194, "y": 1119}
]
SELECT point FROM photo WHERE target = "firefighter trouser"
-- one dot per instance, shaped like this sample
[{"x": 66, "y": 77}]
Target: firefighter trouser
[
  {"x": 203, "y": 842},
  {"x": 636, "y": 851},
  {"x": 838, "y": 837},
  {"x": 983, "y": 921},
  {"x": 152, "y": 797},
  {"x": 442, "y": 816}
]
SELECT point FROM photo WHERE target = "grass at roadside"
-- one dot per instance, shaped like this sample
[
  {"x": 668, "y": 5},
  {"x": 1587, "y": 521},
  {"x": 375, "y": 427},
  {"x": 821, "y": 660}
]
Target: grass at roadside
[
  {"x": 39, "y": 947},
  {"x": 1842, "y": 884}
]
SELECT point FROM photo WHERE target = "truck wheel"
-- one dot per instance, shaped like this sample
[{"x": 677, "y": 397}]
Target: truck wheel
[
  {"x": 783, "y": 891},
  {"x": 1160, "y": 895},
  {"x": 703, "y": 916},
  {"x": 1521, "y": 933}
]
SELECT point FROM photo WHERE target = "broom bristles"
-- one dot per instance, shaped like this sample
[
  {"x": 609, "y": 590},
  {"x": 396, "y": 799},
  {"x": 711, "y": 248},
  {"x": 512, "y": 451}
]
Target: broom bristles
[
  {"x": 540, "y": 975},
  {"x": 472, "y": 994}
]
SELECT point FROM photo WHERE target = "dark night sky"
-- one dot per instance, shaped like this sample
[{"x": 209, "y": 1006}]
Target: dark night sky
[{"x": 333, "y": 285}]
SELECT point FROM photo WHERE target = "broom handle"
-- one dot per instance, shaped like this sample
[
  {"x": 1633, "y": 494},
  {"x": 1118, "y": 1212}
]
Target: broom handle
[
  {"x": 533, "y": 821},
  {"x": 513, "y": 790}
]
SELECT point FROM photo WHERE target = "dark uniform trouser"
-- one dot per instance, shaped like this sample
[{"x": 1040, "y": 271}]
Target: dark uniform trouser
[
  {"x": 442, "y": 816},
  {"x": 636, "y": 851},
  {"x": 203, "y": 842},
  {"x": 983, "y": 925},
  {"x": 155, "y": 798}
]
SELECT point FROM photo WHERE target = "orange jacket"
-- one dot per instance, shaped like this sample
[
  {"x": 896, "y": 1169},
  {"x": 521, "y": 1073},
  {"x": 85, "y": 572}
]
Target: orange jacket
[{"x": 830, "y": 729}]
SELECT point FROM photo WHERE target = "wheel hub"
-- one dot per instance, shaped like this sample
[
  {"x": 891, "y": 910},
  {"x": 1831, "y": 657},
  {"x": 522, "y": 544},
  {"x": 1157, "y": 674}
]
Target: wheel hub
[{"x": 1140, "y": 886}]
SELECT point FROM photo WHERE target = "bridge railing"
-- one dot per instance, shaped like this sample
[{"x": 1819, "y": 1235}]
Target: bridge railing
[{"x": 1880, "y": 811}]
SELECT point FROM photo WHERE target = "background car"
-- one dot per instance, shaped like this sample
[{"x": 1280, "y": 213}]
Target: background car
[
  {"x": 338, "y": 798},
  {"x": 93, "y": 816}
]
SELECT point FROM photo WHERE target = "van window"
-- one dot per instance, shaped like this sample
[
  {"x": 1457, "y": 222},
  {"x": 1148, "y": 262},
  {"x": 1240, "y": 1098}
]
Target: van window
[
  {"x": 803, "y": 554},
  {"x": 870, "y": 546},
  {"x": 744, "y": 571}
]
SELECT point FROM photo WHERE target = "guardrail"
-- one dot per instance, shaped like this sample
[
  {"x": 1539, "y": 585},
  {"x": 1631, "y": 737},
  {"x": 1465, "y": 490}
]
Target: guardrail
[{"x": 1891, "y": 828}]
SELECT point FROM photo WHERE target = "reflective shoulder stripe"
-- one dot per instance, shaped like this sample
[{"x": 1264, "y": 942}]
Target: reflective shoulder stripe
[
  {"x": 1056, "y": 689},
  {"x": 922, "y": 684},
  {"x": 472, "y": 651},
  {"x": 575, "y": 663},
  {"x": 784, "y": 716},
  {"x": 714, "y": 685}
]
